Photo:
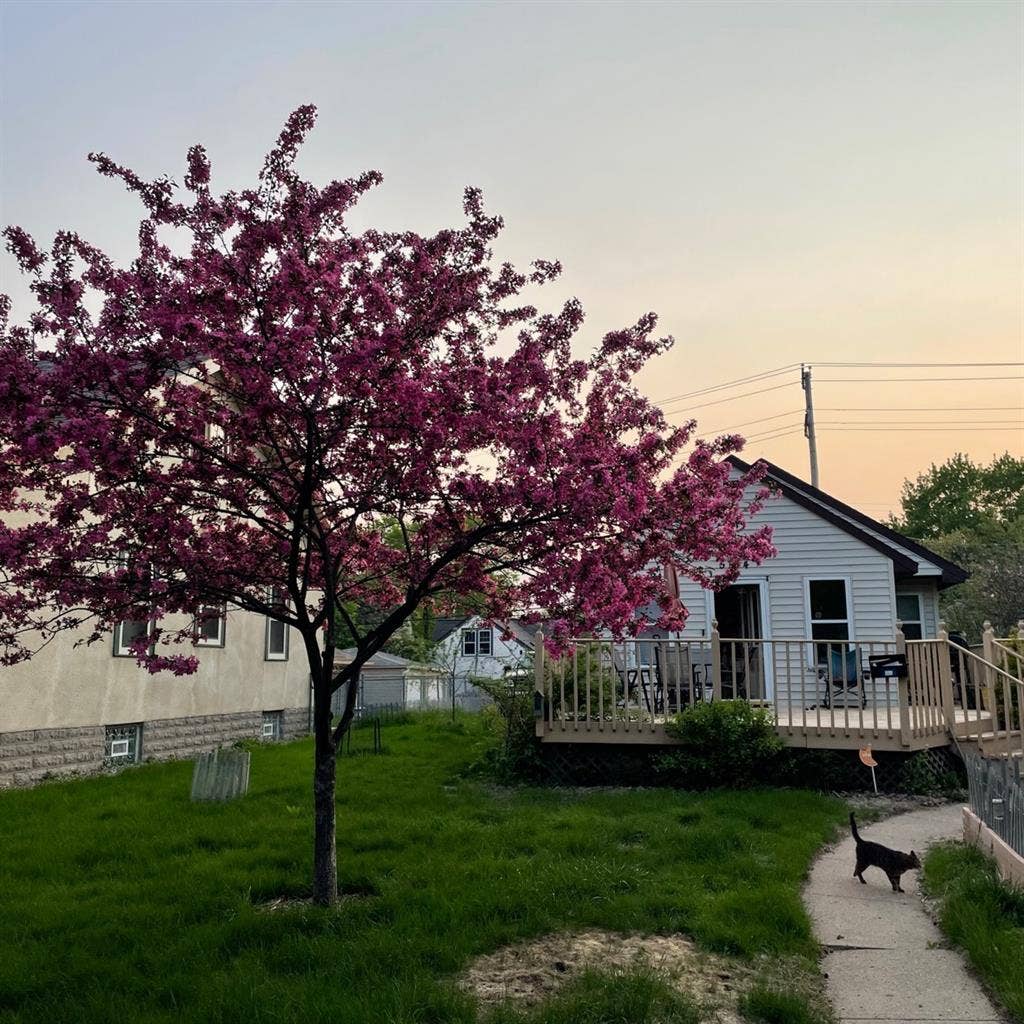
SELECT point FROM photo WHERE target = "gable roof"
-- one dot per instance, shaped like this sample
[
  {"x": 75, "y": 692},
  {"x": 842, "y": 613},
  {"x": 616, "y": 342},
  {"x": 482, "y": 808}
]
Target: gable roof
[
  {"x": 877, "y": 535},
  {"x": 445, "y": 627},
  {"x": 519, "y": 631}
]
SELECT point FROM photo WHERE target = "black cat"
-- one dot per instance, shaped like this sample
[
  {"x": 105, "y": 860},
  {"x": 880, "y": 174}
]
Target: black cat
[{"x": 874, "y": 855}]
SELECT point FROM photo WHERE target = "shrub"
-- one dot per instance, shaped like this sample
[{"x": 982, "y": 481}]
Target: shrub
[
  {"x": 727, "y": 743},
  {"x": 509, "y": 718}
]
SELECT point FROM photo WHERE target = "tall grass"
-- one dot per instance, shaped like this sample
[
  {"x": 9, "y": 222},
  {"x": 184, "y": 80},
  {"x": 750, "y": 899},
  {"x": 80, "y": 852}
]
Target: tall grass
[
  {"x": 120, "y": 899},
  {"x": 983, "y": 915}
]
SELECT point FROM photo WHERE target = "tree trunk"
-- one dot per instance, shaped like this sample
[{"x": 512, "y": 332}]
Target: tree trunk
[{"x": 325, "y": 852}]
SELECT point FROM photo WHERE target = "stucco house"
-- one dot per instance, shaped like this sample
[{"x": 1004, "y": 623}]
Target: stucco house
[{"x": 75, "y": 709}]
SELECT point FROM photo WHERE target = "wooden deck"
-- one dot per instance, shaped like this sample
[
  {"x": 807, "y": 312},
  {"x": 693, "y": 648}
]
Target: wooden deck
[{"x": 624, "y": 692}]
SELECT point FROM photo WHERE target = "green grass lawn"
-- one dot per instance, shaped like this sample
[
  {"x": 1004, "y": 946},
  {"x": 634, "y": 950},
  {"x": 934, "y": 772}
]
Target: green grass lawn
[
  {"x": 121, "y": 900},
  {"x": 982, "y": 915}
]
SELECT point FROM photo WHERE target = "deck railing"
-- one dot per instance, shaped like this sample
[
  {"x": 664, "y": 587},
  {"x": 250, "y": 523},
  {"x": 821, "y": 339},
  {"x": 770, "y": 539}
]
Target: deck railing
[{"x": 825, "y": 686}]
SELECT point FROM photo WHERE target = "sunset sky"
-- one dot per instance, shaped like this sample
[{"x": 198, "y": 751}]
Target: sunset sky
[{"x": 782, "y": 183}]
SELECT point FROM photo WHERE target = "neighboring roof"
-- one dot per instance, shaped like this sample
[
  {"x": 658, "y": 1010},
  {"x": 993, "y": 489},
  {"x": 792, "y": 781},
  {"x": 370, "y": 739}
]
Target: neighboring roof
[
  {"x": 518, "y": 630},
  {"x": 873, "y": 533},
  {"x": 445, "y": 627},
  {"x": 383, "y": 660}
]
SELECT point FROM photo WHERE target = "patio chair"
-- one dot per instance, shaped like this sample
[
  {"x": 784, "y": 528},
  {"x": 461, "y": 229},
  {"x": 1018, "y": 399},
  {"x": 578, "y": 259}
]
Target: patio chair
[
  {"x": 843, "y": 677},
  {"x": 631, "y": 677},
  {"x": 673, "y": 675}
]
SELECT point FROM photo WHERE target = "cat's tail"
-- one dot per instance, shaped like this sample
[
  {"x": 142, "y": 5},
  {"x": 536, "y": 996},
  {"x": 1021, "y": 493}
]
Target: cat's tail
[{"x": 853, "y": 829}]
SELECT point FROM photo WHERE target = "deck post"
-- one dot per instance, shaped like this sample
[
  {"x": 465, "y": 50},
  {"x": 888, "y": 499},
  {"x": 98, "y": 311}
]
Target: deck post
[
  {"x": 988, "y": 650},
  {"x": 946, "y": 679},
  {"x": 716, "y": 662},
  {"x": 902, "y": 686},
  {"x": 538, "y": 681}
]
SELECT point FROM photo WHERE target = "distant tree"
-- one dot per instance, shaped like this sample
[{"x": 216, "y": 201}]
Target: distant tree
[
  {"x": 960, "y": 494},
  {"x": 993, "y": 553},
  {"x": 248, "y": 412}
]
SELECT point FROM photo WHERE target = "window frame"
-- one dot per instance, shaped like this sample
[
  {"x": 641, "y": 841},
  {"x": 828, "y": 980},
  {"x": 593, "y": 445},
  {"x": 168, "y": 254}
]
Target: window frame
[
  {"x": 475, "y": 634},
  {"x": 919, "y": 621},
  {"x": 109, "y": 757},
  {"x": 122, "y": 650},
  {"x": 268, "y": 654},
  {"x": 275, "y": 719},
  {"x": 812, "y": 654},
  {"x": 222, "y": 618}
]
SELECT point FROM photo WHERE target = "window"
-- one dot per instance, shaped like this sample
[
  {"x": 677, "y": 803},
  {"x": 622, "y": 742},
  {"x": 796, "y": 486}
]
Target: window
[
  {"x": 908, "y": 611},
  {"x": 273, "y": 725},
  {"x": 275, "y": 644},
  {"x": 122, "y": 744},
  {"x": 476, "y": 641},
  {"x": 829, "y": 615},
  {"x": 126, "y": 632},
  {"x": 210, "y": 625}
]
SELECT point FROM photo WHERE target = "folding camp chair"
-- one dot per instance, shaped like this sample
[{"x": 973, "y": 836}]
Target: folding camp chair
[{"x": 843, "y": 676}]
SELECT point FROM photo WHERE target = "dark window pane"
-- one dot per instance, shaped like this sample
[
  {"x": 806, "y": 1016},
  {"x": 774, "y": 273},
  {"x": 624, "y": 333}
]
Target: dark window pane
[
  {"x": 484, "y": 641},
  {"x": 276, "y": 637},
  {"x": 830, "y": 631},
  {"x": 908, "y": 608},
  {"x": 912, "y": 630},
  {"x": 210, "y": 626},
  {"x": 469, "y": 642},
  {"x": 828, "y": 599}
]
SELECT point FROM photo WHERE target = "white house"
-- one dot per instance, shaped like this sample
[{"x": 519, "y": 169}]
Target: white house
[
  {"x": 469, "y": 648},
  {"x": 838, "y": 575}
]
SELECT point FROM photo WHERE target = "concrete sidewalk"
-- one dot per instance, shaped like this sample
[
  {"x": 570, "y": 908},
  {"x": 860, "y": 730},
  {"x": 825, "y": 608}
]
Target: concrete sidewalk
[{"x": 885, "y": 959}]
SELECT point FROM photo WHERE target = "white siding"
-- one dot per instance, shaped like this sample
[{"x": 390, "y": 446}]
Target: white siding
[{"x": 810, "y": 547}]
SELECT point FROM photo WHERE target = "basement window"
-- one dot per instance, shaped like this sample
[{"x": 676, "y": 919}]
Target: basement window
[
  {"x": 273, "y": 725},
  {"x": 122, "y": 744}
]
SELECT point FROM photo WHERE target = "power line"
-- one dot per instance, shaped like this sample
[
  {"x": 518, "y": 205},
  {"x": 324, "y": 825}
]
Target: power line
[
  {"x": 915, "y": 380},
  {"x": 922, "y": 423},
  {"x": 746, "y": 423},
  {"x": 924, "y": 408},
  {"x": 764, "y": 375},
  {"x": 923, "y": 430},
  {"x": 907, "y": 365},
  {"x": 733, "y": 398}
]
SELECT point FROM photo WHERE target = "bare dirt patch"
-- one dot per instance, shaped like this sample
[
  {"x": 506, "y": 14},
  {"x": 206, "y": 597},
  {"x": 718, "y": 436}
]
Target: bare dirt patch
[{"x": 532, "y": 971}]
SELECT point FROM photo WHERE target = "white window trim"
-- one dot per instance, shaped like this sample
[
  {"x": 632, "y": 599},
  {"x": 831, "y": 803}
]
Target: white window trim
[
  {"x": 850, "y": 628},
  {"x": 122, "y": 650},
  {"x": 920, "y": 620},
  {"x": 464, "y": 635},
  {"x": 268, "y": 654},
  {"x": 220, "y": 639},
  {"x": 487, "y": 631}
]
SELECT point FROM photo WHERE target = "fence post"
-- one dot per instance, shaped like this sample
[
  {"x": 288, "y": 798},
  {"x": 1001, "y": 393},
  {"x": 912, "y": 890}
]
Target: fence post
[
  {"x": 946, "y": 679},
  {"x": 716, "y": 662},
  {"x": 538, "y": 681},
  {"x": 903, "y": 688}
]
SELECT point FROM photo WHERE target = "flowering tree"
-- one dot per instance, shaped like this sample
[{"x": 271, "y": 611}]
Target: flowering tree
[{"x": 249, "y": 413}]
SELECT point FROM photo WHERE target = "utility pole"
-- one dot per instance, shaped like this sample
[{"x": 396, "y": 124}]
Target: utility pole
[{"x": 812, "y": 441}]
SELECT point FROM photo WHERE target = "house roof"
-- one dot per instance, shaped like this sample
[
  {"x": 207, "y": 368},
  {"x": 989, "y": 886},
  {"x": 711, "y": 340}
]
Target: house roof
[
  {"x": 888, "y": 541},
  {"x": 445, "y": 627},
  {"x": 383, "y": 660},
  {"x": 519, "y": 631}
]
